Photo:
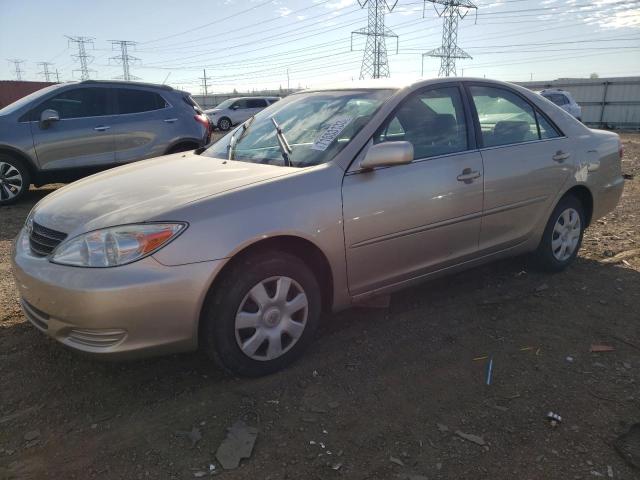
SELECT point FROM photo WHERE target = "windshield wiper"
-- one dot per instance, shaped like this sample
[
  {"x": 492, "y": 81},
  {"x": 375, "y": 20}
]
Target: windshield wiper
[
  {"x": 233, "y": 140},
  {"x": 285, "y": 148}
]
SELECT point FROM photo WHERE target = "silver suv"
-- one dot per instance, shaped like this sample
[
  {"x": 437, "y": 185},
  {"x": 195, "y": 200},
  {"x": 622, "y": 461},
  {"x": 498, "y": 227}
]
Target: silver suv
[
  {"x": 67, "y": 131},
  {"x": 237, "y": 110}
]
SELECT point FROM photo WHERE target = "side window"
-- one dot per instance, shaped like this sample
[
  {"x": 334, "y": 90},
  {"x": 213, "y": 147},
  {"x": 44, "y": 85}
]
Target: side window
[
  {"x": 239, "y": 104},
  {"x": 256, "y": 103},
  {"x": 77, "y": 103},
  {"x": 432, "y": 120},
  {"x": 136, "y": 101},
  {"x": 546, "y": 129},
  {"x": 504, "y": 117}
]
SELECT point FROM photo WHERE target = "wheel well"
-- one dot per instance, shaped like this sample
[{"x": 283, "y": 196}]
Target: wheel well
[
  {"x": 583, "y": 194},
  {"x": 21, "y": 156},
  {"x": 306, "y": 251},
  {"x": 183, "y": 146}
]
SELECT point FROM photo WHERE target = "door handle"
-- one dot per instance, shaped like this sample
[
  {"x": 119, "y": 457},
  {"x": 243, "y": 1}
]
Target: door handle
[
  {"x": 560, "y": 156},
  {"x": 170, "y": 120},
  {"x": 468, "y": 175},
  {"x": 101, "y": 128}
]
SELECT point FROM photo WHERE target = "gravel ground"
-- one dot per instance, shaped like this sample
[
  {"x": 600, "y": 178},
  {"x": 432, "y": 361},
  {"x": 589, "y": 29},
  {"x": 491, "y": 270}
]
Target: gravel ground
[{"x": 383, "y": 393}]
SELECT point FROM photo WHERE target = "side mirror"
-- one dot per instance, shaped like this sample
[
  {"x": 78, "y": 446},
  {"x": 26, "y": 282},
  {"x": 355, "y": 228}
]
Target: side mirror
[
  {"x": 387, "y": 154},
  {"x": 48, "y": 116},
  {"x": 235, "y": 107}
]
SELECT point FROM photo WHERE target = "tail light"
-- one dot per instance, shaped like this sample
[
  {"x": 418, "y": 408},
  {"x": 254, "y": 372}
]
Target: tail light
[{"x": 202, "y": 119}]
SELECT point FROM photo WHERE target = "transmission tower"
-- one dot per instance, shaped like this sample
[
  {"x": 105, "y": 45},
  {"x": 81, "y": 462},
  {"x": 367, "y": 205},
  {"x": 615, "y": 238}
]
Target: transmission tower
[
  {"x": 374, "y": 61},
  {"x": 451, "y": 12},
  {"x": 45, "y": 70},
  {"x": 204, "y": 79},
  {"x": 82, "y": 56},
  {"x": 124, "y": 58},
  {"x": 17, "y": 69}
]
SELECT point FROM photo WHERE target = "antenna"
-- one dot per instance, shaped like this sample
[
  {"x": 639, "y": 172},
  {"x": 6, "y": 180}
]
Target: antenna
[
  {"x": 124, "y": 58},
  {"x": 82, "y": 56},
  {"x": 374, "y": 61},
  {"x": 17, "y": 62},
  {"x": 449, "y": 51}
]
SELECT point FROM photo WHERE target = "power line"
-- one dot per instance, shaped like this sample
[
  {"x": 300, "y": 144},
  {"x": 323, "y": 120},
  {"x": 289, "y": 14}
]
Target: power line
[
  {"x": 124, "y": 58},
  {"x": 17, "y": 69},
  {"x": 82, "y": 55}
]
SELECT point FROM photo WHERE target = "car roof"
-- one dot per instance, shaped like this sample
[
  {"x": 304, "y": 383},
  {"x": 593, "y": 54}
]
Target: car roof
[{"x": 391, "y": 84}]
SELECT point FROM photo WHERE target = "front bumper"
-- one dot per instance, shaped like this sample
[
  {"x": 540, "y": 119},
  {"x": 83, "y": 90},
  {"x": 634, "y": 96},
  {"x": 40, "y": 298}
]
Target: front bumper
[{"x": 131, "y": 311}]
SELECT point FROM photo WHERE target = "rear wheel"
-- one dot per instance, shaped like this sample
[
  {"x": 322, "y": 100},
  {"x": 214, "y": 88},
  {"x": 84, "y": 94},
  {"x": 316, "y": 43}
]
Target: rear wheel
[
  {"x": 562, "y": 236},
  {"x": 224, "y": 124},
  {"x": 14, "y": 179},
  {"x": 262, "y": 315}
]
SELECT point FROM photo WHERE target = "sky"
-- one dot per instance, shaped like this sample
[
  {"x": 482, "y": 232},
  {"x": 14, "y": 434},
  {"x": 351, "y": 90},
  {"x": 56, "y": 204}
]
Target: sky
[{"x": 269, "y": 44}]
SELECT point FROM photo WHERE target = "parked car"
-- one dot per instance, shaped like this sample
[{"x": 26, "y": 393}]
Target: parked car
[
  {"x": 564, "y": 100},
  {"x": 237, "y": 110},
  {"x": 69, "y": 130},
  {"x": 321, "y": 201}
]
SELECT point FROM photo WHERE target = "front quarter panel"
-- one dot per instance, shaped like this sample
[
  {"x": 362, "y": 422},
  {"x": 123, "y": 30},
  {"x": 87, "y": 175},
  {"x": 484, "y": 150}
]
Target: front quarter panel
[{"x": 306, "y": 204}]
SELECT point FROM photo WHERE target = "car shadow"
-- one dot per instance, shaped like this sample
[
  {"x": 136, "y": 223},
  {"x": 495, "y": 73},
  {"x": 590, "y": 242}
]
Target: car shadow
[{"x": 13, "y": 216}]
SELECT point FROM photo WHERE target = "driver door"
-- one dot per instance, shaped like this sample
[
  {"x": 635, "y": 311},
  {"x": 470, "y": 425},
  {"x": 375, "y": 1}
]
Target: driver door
[
  {"x": 83, "y": 137},
  {"x": 405, "y": 221}
]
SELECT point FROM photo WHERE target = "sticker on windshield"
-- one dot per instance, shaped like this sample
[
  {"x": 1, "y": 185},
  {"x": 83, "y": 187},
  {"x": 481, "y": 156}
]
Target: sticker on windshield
[{"x": 322, "y": 141}]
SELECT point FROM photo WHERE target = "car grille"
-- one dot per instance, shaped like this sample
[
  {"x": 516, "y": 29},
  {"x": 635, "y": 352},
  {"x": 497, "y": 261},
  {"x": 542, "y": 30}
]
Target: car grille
[{"x": 43, "y": 240}]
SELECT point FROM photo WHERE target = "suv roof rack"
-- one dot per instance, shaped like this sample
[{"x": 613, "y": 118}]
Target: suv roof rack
[{"x": 122, "y": 82}]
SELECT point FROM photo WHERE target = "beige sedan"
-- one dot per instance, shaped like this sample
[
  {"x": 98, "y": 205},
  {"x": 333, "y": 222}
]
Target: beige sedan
[{"x": 323, "y": 199}]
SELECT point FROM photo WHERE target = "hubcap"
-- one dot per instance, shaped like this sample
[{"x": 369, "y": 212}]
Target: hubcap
[
  {"x": 10, "y": 181},
  {"x": 224, "y": 124},
  {"x": 566, "y": 234},
  {"x": 271, "y": 318}
]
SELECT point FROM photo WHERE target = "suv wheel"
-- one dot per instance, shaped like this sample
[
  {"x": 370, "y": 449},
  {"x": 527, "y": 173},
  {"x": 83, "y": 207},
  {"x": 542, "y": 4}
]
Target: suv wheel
[
  {"x": 562, "y": 236},
  {"x": 224, "y": 124},
  {"x": 262, "y": 315},
  {"x": 14, "y": 179}
]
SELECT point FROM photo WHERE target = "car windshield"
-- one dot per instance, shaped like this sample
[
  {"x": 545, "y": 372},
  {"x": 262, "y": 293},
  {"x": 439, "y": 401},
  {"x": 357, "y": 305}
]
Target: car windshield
[
  {"x": 12, "y": 107},
  {"x": 226, "y": 103},
  {"x": 316, "y": 125}
]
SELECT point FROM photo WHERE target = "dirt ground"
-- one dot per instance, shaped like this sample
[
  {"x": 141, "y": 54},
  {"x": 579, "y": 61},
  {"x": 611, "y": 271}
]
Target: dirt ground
[{"x": 381, "y": 394}]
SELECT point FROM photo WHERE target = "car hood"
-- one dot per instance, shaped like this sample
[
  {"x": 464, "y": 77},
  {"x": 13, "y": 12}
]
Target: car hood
[{"x": 146, "y": 191}]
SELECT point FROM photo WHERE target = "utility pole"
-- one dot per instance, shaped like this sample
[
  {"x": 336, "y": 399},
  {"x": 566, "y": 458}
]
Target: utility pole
[
  {"x": 204, "y": 79},
  {"x": 17, "y": 69},
  {"x": 45, "y": 70},
  {"x": 57, "y": 76},
  {"x": 82, "y": 56},
  {"x": 124, "y": 58},
  {"x": 449, "y": 51},
  {"x": 374, "y": 61},
  {"x": 288, "y": 81}
]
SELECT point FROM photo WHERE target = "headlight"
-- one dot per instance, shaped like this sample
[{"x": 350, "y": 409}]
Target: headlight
[{"x": 115, "y": 246}]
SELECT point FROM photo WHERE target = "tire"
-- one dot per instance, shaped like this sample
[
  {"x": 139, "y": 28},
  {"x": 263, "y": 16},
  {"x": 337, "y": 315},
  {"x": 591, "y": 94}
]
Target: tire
[
  {"x": 15, "y": 179},
  {"x": 224, "y": 124},
  {"x": 234, "y": 324},
  {"x": 559, "y": 245}
]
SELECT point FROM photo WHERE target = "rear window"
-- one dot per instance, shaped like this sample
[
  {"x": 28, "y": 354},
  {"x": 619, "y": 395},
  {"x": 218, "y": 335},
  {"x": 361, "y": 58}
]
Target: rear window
[{"x": 137, "y": 101}]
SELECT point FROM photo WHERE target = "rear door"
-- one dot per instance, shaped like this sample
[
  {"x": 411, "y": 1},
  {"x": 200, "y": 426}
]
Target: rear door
[
  {"x": 145, "y": 125},
  {"x": 526, "y": 161},
  {"x": 84, "y": 135},
  {"x": 404, "y": 221}
]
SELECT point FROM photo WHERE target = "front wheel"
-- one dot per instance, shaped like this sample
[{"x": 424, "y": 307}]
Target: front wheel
[
  {"x": 262, "y": 315},
  {"x": 224, "y": 124},
  {"x": 562, "y": 236},
  {"x": 14, "y": 179}
]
